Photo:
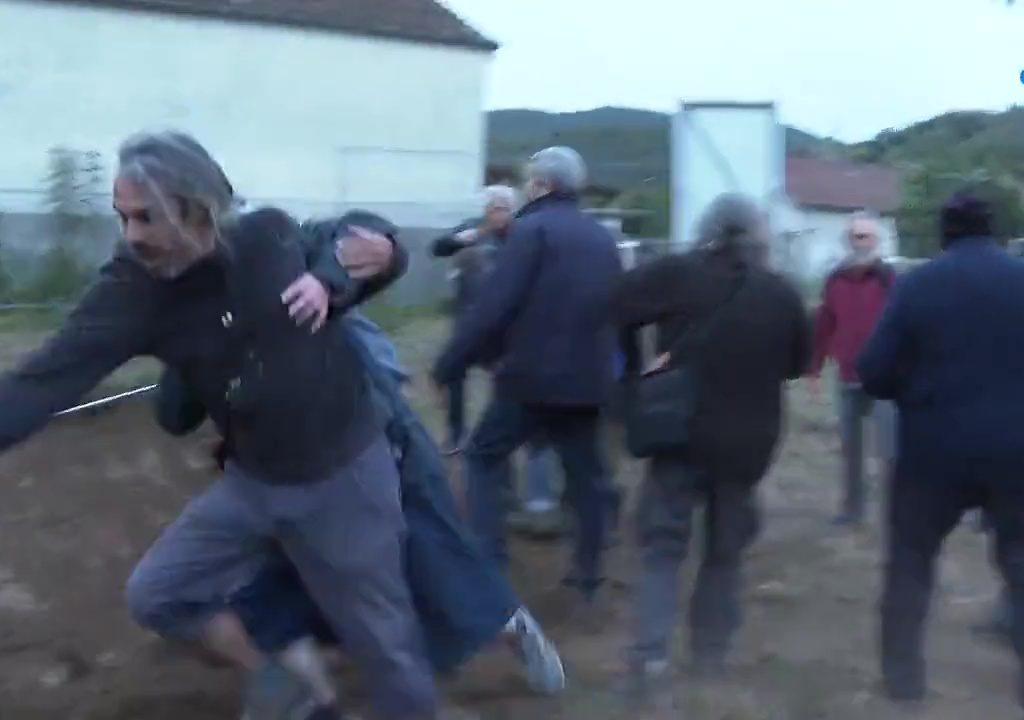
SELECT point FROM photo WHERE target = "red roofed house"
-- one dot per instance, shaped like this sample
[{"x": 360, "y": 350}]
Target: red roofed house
[{"x": 821, "y": 195}]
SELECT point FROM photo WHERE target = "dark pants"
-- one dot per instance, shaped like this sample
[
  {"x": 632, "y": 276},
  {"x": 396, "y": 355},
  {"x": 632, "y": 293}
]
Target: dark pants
[
  {"x": 456, "y": 411},
  {"x": 574, "y": 433},
  {"x": 462, "y": 601},
  {"x": 926, "y": 504},
  {"x": 277, "y": 610},
  {"x": 669, "y": 497},
  {"x": 344, "y": 535}
]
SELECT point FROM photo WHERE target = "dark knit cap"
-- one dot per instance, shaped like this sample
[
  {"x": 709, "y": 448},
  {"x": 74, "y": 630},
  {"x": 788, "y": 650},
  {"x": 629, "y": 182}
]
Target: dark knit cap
[{"x": 965, "y": 215}]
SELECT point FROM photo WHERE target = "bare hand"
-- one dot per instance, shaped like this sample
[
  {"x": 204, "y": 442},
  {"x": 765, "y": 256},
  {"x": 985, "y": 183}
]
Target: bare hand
[
  {"x": 364, "y": 253},
  {"x": 307, "y": 300},
  {"x": 467, "y": 237},
  {"x": 658, "y": 363}
]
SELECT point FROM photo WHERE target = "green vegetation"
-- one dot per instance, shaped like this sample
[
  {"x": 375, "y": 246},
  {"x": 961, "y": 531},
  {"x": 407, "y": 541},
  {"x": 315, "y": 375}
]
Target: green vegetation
[
  {"x": 629, "y": 150},
  {"x": 31, "y": 319},
  {"x": 74, "y": 179},
  {"x": 392, "y": 317}
]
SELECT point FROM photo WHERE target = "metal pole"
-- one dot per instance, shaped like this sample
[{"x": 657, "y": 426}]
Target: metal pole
[{"x": 107, "y": 401}]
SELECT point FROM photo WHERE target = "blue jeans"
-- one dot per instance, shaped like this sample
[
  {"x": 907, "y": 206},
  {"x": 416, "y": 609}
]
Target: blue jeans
[
  {"x": 457, "y": 411},
  {"x": 540, "y": 476},
  {"x": 574, "y": 433}
]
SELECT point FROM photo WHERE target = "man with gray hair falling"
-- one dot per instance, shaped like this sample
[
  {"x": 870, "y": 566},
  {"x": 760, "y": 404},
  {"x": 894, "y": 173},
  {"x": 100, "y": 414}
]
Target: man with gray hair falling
[
  {"x": 543, "y": 316},
  {"x": 220, "y": 295},
  {"x": 852, "y": 301},
  {"x": 742, "y": 331}
]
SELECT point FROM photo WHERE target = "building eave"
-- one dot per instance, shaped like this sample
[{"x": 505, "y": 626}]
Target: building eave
[
  {"x": 840, "y": 209},
  {"x": 156, "y": 7}
]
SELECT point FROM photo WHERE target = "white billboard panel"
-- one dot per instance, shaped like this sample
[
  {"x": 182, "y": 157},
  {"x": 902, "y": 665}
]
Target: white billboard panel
[{"x": 723, "y": 147}]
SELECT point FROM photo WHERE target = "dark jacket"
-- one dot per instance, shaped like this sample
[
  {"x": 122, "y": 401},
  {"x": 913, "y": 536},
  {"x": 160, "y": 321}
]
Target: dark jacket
[
  {"x": 292, "y": 405},
  {"x": 461, "y": 597},
  {"x": 473, "y": 262},
  {"x": 852, "y": 301},
  {"x": 949, "y": 349},
  {"x": 545, "y": 305},
  {"x": 761, "y": 339}
]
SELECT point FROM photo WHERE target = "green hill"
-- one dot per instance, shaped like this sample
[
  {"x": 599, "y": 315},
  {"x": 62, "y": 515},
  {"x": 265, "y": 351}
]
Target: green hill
[
  {"x": 624, "y": 148},
  {"x": 627, "y": 148}
]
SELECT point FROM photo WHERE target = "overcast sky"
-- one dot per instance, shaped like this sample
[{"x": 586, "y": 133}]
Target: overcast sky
[{"x": 846, "y": 68}]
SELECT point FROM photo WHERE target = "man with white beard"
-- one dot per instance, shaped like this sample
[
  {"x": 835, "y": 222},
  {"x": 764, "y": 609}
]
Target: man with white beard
[{"x": 852, "y": 301}]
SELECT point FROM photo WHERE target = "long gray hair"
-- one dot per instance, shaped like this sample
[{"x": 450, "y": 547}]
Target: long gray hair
[
  {"x": 179, "y": 174},
  {"x": 735, "y": 227}
]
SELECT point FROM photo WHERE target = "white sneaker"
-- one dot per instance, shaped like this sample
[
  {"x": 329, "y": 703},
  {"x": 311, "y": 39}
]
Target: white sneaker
[
  {"x": 540, "y": 506},
  {"x": 273, "y": 693},
  {"x": 544, "y": 671}
]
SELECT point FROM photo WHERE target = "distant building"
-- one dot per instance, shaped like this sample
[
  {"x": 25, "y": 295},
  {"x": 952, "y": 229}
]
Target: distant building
[
  {"x": 810, "y": 222},
  {"x": 313, "y": 106}
]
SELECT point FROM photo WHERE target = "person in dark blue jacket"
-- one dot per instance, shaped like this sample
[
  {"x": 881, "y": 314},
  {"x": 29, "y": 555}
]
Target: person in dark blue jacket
[
  {"x": 546, "y": 307},
  {"x": 949, "y": 349}
]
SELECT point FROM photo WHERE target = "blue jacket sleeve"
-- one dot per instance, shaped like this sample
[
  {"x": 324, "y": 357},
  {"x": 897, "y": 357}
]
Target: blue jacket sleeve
[
  {"x": 886, "y": 361},
  {"x": 500, "y": 297}
]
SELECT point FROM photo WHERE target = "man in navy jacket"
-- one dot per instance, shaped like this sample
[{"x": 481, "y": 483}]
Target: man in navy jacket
[
  {"x": 544, "y": 311},
  {"x": 949, "y": 349}
]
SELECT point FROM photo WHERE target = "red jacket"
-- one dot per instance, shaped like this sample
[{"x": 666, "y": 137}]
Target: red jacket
[{"x": 852, "y": 301}]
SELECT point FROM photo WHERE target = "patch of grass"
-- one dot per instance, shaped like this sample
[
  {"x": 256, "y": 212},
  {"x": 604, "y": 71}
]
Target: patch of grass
[
  {"x": 41, "y": 319},
  {"x": 393, "y": 317},
  {"x": 23, "y": 330}
]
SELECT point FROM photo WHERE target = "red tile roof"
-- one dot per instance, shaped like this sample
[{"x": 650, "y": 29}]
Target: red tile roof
[
  {"x": 842, "y": 185},
  {"x": 422, "y": 20}
]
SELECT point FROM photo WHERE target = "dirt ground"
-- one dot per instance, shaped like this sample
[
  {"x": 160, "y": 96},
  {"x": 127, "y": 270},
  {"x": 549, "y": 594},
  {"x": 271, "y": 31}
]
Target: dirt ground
[{"x": 81, "y": 502}]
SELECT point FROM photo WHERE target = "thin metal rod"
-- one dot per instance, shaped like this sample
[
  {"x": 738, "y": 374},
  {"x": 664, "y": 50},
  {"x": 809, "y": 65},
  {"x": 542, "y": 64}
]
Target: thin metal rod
[{"x": 103, "y": 402}]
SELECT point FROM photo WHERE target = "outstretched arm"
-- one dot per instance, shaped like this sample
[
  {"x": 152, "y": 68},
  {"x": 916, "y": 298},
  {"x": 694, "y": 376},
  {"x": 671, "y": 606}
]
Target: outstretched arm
[
  {"x": 452, "y": 242},
  {"x": 500, "y": 297},
  {"x": 650, "y": 292},
  {"x": 110, "y": 326},
  {"x": 824, "y": 329},
  {"x": 886, "y": 361}
]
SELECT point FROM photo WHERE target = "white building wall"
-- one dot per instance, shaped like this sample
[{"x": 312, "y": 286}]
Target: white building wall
[
  {"x": 817, "y": 240},
  {"x": 311, "y": 120},
  {"x": 719, "y": 148}
]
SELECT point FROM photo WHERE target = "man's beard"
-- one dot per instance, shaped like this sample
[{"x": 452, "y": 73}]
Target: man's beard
[
  {"x": 862, "y": 257},
  {"x": 170, "y": 264}
]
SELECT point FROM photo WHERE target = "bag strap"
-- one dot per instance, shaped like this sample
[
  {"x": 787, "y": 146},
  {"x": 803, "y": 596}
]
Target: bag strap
[
  {"x": 698, "y": 333},
  {"x": 695, "y": 334}
]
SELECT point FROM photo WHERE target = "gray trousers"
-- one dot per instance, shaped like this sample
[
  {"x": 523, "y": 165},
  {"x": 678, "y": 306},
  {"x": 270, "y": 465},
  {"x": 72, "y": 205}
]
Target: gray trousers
[
  {"x": 855, "y": 407},
  {"x": 345, "y": 537},
  {"x": 669, "y": 497}
]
